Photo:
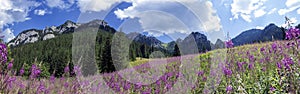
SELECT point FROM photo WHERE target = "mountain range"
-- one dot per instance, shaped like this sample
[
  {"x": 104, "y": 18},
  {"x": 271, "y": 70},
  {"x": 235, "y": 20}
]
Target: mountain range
[{"x": 269, "y": 33}]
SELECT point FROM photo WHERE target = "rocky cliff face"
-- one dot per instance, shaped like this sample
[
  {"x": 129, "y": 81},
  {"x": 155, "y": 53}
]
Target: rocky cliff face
[
  {"x": 149, "y": 40},
  {"x": 195, "y": 43}
]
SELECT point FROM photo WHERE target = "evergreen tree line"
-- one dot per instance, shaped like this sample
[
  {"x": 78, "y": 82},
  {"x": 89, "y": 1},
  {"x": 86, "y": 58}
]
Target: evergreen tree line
[{"x": 55, "y": 54}]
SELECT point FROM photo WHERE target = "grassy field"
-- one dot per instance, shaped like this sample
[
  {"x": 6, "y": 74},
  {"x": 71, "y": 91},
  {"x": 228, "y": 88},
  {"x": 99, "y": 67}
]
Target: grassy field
[{"x": 257, "y": 68}]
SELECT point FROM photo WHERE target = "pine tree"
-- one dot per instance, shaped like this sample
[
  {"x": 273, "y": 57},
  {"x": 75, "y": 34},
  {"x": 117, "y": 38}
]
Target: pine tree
[
  {"x": 176, "y": 51},
  {"x": 106, "y": 61}
]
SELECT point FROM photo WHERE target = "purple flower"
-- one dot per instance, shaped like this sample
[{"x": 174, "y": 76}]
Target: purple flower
[
  {"x": 287, "y": 62},
  {"x": 67, "y": 69},
  {"x": 251, "y": 58},
  {"x": 34, "y": 71},
  {"x": 3, "y": 53},
  {"x": 126, "y": 86},
  {"x": 227, "y": 72},
  {"x": 22, "y": 71},
  {"x": 251, "y": 66},
  {"x": 279, "y": 66},
  {"x": 10, "y": 65},
  {"x": 262, "y": 49},
  {"x": 66, "y": 85},
  {"x": 158, "y": 82},
  {"x": 229, "y": 44},
  {"x": 229, "y": 89},
  {"x": 10, "y": 81},
  {"x": 41, "y": 88},
  {"x": 52, "y": 79},
  {"x": 204, "y": 78},
  {"x": 272, "y": 88},
  {"x": 292, "y": 33},
  {"x": 200, "y": 73},
  {"x": 240, "y": 65},
  {"x": 274, "y": 46}
]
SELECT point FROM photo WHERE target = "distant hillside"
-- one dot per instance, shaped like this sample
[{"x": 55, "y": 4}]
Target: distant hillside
[{"x": 269, "y": 33}]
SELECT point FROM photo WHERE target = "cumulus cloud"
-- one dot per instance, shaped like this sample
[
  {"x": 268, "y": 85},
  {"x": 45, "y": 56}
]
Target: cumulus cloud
[
  {"x": 8, "y": 35},
  {"x": 247, "y": 9},
  {"x": 259, "y": 13},
  {"x": 42, "y": 12},
  {"x": 96, "y": 5},
  {"x": 272, "y": 11},
  {"x": 14, "y": 11},
  {"x": 62, "y": 4},
  {"x": 169, "y": 16},
  {"x": 291, "y": 6}
]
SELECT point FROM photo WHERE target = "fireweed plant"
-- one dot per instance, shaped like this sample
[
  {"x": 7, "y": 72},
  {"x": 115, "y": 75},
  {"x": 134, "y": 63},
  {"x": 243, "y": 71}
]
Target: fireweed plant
[{"x": 251, "y": 69}]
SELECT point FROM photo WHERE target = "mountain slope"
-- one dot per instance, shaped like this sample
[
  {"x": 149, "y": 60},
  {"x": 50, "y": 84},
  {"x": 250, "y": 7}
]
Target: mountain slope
[
  {"x": 195, "y": 40},
  {"x": 269, "y": 33}
]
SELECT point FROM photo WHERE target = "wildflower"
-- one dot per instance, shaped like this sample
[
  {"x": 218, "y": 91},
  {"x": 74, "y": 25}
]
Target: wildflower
[
  {"x": 279, "y": 65},
  {"x": 227, "y": 72},
  {"x": 52, "y": 79},
  {"x": 158, "y": 82},
  {"x": 34, "y": 71},
  {"x": 41, "y": 88},
  {"x": 251, "y": 66},
  {"x": 126, "y": 86},
  {"x": 66, "y": 85},
  {"x": 292, "y": 33},
  {"x": 10, "y": 81},
  {"x": 204, "y": 78},
  {"x": 200, "y": 73},
  {"x": 22, "y": 71},
  {"x": 3, "y": 53},
  {"x": 287, "y": 62},
  {"x": 229, "y": 89},
  {"x": 67, "y": 69},
  {"x": 272, "y": 89},
  {"x": 262, "y": 49},
  {"x": 137, "y": 85},
  {"x": 251, "y": 58},
  {"x": 10, "y": 65},
  {"x": 229, "y": 44},
  {"x": 240, "y": 65},
  {"x": 274, "y": 47}
]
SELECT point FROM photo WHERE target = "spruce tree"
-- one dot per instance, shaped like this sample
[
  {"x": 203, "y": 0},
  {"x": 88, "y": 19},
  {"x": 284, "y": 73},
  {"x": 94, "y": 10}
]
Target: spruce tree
[
  {"x": 106, "y": 61},
  {"x": 176, "y": 51}
]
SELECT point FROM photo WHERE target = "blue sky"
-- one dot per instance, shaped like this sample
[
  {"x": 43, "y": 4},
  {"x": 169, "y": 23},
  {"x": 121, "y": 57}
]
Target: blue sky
[{"x": 165, "y": 19}]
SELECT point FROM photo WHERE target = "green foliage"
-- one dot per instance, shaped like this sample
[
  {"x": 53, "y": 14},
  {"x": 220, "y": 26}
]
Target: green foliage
[
  {"x": 56, "y": 53},
  {"x": 176, "y": 51}
]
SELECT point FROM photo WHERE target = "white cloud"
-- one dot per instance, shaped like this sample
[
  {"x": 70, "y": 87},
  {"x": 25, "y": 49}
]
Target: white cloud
[
  {"x": 8, "y": 35},
  {"x": 259, "y": 13},
  {"x": 15, "y": 11},
  {"x": 291, "y": 6},
  {"x": 96, "y": 5},
  {"x": 60, "y": 3},
  {"x": 272, "y": 11},
  {"x": 183, "y": 17},
  {"x": 41, "y": 12},
  {"x": 298, "y": 11},
  {"x": 247, "y": 9},
  {"x": 291, "y": 3},
  {"x": 260, "y": 27}
]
